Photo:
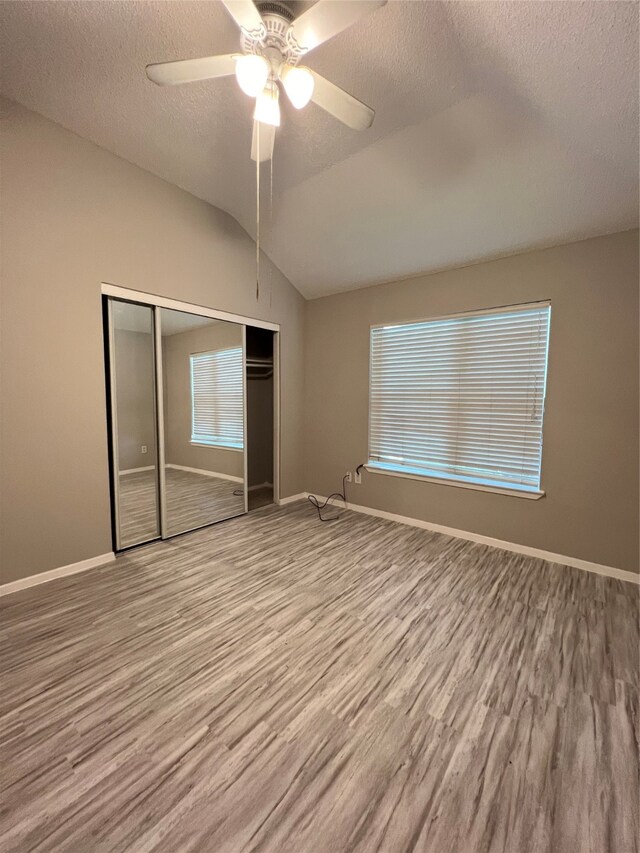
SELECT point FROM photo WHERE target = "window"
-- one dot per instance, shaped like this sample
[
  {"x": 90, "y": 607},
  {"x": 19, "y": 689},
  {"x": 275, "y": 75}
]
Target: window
[
  {"x": 462, "y": 398},
  {"x": 217, "y": 415}
]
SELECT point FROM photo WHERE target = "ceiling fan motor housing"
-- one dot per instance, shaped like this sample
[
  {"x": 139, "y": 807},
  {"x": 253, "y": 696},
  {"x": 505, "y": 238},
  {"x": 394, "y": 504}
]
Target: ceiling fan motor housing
[
  {"x": 275, "y": 9},
  {"x": 277, "y": 45}
]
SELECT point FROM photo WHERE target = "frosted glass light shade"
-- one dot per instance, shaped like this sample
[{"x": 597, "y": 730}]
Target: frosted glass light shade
[
  {"x": 298, "y": 84},
  {"x": 252, "y": 72},
  {"x": 267, "y": 107}
]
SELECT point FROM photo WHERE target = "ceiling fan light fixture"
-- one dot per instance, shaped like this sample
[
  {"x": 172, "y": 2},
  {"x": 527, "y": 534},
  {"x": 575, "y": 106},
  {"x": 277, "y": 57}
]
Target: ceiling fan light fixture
[
  {"x": 273, "y": 40},
  {"x": 298, "y": 84},
  {"x": 267, "y": 107},
  {"x": 252, "y": 73}
]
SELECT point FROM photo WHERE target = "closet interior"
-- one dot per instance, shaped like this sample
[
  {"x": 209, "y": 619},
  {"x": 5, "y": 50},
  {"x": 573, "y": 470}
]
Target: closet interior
[{"x": 260, "y": 416}]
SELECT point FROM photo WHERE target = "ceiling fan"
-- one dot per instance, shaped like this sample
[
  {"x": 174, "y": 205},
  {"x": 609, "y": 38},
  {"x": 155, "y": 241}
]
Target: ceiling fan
[{"x": 273, "y": 44}]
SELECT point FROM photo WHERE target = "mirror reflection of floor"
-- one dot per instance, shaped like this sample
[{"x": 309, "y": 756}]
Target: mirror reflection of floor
[
  {"x": 196, "y": 499},
  {"x": 137, "y": 508},
  {"x": 193, "y": 500}
]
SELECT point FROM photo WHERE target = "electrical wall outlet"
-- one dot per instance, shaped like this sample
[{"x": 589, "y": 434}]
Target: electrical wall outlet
[
  {"x": 348, "y": 476},
  {"x": 357, "y": 477},
  {"x": 143, "y": 449}
]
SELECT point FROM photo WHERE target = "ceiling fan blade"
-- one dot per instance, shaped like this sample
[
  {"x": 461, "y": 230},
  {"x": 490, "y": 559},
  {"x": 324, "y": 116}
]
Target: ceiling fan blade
[
  {"x": 191, "y": 70},
  {"x": 245, "y": 14},
  {"x": 326, "y": 18},
  {"x": 262, "y": 142},
  {"x": 341, "y": 104}
]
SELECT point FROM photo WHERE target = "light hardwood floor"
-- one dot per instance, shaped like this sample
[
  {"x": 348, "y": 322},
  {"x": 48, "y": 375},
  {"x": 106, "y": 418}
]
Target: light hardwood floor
[{"x": 278, "y": 684}]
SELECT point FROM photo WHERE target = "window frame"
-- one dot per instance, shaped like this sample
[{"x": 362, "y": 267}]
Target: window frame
[
  {"x": 199, "y": 442},
  {"x": 404, "y": 473}
]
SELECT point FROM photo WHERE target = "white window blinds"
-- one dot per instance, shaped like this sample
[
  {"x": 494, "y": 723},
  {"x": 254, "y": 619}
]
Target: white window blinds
[
  {"x": 462, "y": 398},
  {"x": 216, "y": 398}
]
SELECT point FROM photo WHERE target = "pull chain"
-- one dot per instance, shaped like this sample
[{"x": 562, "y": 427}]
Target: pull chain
[
  {"x": 270, "y": 225},
  {"x": 257, "y": 211}
]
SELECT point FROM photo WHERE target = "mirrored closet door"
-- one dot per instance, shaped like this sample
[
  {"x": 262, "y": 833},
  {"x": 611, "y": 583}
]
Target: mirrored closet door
[
  {"x": 192, "y": 402},
  {"x": 133, "y": 423},
  {"x": 202, "y": 386}
]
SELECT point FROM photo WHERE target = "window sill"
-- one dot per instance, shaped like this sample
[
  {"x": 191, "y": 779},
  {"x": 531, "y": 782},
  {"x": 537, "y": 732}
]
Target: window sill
[
  {"x": 461, "y": 484},
  {"x": 217, "y": 446}
]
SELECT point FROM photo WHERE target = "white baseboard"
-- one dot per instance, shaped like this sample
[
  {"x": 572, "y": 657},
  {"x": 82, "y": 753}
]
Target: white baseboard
[
  {"x": 137, "y": 470},
  {"x": 52, "y": 574},
  {"x": 575, "y": 562},
  {"x": 205, "y": 473},
  {"x": 585, "y": 565},
  {"x": 292, "y": 499}
]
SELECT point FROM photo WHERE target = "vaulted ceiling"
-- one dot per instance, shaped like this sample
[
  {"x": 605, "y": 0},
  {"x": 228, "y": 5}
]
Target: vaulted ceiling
[{"x": 500, "y": 126}]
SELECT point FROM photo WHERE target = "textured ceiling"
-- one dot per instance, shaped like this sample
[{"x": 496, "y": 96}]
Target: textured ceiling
[{"x": 499, "y": 126}]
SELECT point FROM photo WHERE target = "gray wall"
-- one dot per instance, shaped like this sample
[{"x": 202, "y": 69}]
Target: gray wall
[
  {"x": 590, "y": 454},
  {"x": 73, "y": 216},
  {"x": 176, "y": 350},
  {"x": 135, "y": 384}
]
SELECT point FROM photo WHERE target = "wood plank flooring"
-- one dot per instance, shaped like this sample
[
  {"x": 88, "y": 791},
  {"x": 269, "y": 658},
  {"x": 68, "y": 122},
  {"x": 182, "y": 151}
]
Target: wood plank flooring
[{"x": 278, "y": 684}]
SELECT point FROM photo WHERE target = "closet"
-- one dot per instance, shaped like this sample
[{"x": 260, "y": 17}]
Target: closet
[
  {"x": 192, "y": 400},
  {"x": 260, "y": 416}
]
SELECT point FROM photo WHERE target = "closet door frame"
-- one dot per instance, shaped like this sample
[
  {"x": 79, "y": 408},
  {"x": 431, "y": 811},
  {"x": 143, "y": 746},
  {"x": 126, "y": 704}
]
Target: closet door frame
[
  {"x": 276, "y": 417},
  {"x": 129, "y": 295},
  {"x": 245, "y": 433},
  {"x": 154, "y": 301}
]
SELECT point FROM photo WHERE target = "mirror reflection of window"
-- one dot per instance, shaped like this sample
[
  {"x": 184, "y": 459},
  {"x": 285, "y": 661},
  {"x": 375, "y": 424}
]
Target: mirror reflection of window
[{"x": 217, "y": 417}]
